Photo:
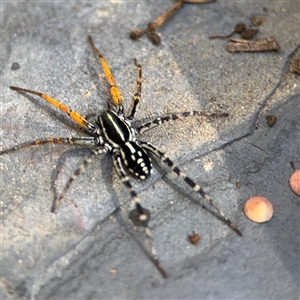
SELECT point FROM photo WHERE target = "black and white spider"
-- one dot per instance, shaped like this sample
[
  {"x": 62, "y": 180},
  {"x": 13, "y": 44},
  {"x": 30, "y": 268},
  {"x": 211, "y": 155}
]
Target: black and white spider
[{"x": 113, "y": 133}]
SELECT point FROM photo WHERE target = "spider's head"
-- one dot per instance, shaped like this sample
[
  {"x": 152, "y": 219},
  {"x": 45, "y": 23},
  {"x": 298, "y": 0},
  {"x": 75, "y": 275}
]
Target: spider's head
[{"x": 115, "y": 130}]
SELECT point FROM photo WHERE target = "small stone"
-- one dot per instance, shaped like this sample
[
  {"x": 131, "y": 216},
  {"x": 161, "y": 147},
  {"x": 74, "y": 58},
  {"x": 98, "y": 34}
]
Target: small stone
[
  {"x": 258, "y": 209},
  {"x": 294, "y": 182},
  {"x": 194, "y": 238}
]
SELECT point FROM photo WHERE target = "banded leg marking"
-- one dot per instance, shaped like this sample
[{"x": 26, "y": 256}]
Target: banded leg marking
[
  {"x": 76, "y": 117},
  {"x": 137, "y": 93},
  {"x": 142, "y": 216},
  {"x": 76, "y": 173},
  {"x": 190, "y": 182},
  {"x": 174, "y": 116},
  {"x": 116, "y": 97},
  {"x": 58, "y": 140}
]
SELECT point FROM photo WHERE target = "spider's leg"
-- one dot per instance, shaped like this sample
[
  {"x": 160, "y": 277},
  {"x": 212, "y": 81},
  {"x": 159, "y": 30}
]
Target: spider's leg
[
  {"x": 174, "y": 116},
  {"x": 76, "y": 173},
  {"x": 137, "y": 93},
  {"x": 149, "y": 147},
  {"x": 76, "y": 117},
  {"x": 143, "y": 218},
  {"x": 115, "y": 94},
  {"x": 57, "y": 140}
]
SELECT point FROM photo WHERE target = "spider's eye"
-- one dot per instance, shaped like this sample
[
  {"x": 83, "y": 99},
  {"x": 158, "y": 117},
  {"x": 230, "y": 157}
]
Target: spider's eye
[{"x": 136, "y": 160}]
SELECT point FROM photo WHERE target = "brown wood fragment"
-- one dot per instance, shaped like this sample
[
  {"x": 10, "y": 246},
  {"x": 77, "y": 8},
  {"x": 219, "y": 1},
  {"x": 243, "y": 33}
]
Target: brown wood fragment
[
  {"x": 248, "y": 33},
  {"x": 165, "y": 16},
  {"x": 152, "y": 26},
  {"x": 271, "y": 120},
  {"x": 240, "y": 27},
  {"x": 257, "y": 21},
  {"x": 292, "y": 165},
  {"x": 198, "y": 1},
  {"x": 155, "y": 38},
  {"x": 194, "y": 238},
  {"x": 136, "y": 34},
  {"x": 257, "y": 45},
  {"x": 295, "y": 65}
]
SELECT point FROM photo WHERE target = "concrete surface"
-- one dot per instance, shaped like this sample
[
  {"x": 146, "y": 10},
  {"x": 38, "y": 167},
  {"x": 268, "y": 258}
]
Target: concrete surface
[{"x": 89, "y": 249}]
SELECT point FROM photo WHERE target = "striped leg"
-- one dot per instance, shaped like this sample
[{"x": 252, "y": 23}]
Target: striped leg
[
  {"x": 137, "y": 93},
  {"x": 59, "y": 140},
  {"x": 149, "y": 147},
  {"x": 173, "y": 116},
  {"x": 76, "y": 117},
  {"x": 115, "y": 94},
  {"x": 76, "y": 173},
  {"x": 143, "y": 218}
]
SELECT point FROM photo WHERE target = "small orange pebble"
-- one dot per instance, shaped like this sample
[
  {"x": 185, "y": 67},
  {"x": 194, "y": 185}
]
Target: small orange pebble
[
  {"x": 295, "y": 179},
  {"x": 294, "y": 182},
  {"x": 258, "y": 209}
]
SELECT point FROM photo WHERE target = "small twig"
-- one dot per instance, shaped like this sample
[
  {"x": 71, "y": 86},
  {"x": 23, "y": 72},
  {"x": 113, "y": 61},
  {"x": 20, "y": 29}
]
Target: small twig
[
  {"x": 257, "y": 21},
  {"x": 241, "y": 28},
  {"x": 271, "y": 120},
  {"x": 152, "y": 26},
  {"x": 295, "y": 65},
  {"x": 136, "y": 34},
  {"x": 263, "y": 44},
  {"x": 214, "y": 37},
  {"x": 155, "y": 38},
  {"x": 248, "y": 33},
  {"x": 292, "y": 165},
  {"x": 198, "y": 1}
]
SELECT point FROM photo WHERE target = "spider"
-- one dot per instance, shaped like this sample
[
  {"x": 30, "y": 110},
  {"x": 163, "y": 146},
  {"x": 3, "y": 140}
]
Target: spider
[{"x": 114, "y": 133}]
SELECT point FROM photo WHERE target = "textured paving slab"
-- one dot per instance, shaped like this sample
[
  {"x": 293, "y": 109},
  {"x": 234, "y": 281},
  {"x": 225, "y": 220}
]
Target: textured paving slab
[{"x": 89, "y": 249}]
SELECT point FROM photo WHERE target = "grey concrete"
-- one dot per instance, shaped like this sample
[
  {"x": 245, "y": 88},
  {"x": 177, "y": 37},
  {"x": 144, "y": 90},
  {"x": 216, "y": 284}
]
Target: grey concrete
[{"x": 89, "y": 249}]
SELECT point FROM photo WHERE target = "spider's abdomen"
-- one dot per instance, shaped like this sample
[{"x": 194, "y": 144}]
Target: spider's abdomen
[
  {"x": 136, "y": 160},
  {"x": 114, "y": 129}
]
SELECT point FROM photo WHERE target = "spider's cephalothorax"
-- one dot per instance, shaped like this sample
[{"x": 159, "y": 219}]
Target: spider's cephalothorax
[
  {"x": 114, "y": 133},
  {"x": 119, "y": 135}
]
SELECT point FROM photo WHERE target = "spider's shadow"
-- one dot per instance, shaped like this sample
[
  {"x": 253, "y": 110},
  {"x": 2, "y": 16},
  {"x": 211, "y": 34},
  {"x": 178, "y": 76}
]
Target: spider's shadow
[
  {"x": 108, "y": 181},
  {"x": 61, "y": 162},
  {"x": 181, "y": 190},
  {"x": 111, "y": 190},
  {"x": 82, "y": 153},
  {"x": 133, "y": 234},
  {"x": 130, "y": 229}
]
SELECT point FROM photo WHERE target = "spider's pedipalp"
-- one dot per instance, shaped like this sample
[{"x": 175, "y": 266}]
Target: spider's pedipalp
[{"x": 148, "y": 146}]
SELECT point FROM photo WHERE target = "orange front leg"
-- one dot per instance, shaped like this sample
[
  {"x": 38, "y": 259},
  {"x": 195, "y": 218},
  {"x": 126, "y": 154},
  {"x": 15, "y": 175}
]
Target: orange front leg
[
  {"x": 116, "y": 96},
  {"x": 76, "y": 117}
]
